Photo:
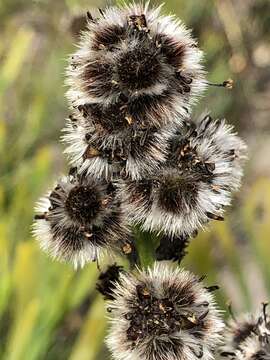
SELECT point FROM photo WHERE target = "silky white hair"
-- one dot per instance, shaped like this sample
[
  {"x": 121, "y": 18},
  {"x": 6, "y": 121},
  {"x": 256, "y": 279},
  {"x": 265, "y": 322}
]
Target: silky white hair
[
  {"x": 187, "y": 294},
  {"x": 64, "y": 239},
  {"x": 213, "y": 141},
  {"x": 157, "y": 24}
]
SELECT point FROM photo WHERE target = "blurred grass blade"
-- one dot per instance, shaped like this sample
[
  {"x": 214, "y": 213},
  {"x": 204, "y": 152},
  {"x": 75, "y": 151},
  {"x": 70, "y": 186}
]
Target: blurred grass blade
[
  {"x": 20, "y": 337},
  {"x": 92, "y": 333},
  {"x": 15, "y": 58}
]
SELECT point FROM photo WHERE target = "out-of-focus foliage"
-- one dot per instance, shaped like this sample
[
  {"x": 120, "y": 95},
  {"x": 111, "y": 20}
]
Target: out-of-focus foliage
[{"x": 48, "y": 311}]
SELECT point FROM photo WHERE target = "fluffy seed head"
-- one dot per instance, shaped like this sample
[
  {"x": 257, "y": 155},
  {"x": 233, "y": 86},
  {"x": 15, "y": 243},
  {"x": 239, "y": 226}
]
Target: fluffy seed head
[
  {"x": 80, "y": 220},
  {"x": 134, "y": 154},
  {"x": 238, "y": 331},
  {"x": 163, "y": 313},
  {"x": 253, "y": 348},
  {"x": 203, "y": 168},
  {"x": 248, "y": 337},
  {"x": 134, "y": 63}
]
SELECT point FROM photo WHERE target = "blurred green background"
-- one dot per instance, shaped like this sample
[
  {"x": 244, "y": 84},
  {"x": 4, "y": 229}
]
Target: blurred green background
[{"x": 49, "y": 311}]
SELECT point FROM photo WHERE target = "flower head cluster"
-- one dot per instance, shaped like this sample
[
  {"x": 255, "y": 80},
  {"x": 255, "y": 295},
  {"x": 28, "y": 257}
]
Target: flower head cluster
[
  {"x": 163, "y": 313},
  {"x": 138, "y": 158},
  {"x": 132, "y": 52},
  {"x": 132, "y": 82},
  {"x": 194, "y": 184},
  {"x": 134, "y": 77},
  {"x": 131, "y": 85},
  {"x": 248, "y": 338}
]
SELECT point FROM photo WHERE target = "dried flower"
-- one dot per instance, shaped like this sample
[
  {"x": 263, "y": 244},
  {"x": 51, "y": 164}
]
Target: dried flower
[
  {"x": 138, "y": 158},
  {"x": 237, "y": 332},
  {"x": 248, "y": 337},
  {"x": 253, "y": 348},
  {"x": 203, "y": 168},
  {"x": 80, "y": 220},
  {"x": 163, "y": 313},
  {"x": 135, "y": 155},
  {"x": 135, "y": 70}
]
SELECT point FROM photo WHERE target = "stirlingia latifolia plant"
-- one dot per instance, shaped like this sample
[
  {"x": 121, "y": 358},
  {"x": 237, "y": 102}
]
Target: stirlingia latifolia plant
[{"x": 140, "y": 161}]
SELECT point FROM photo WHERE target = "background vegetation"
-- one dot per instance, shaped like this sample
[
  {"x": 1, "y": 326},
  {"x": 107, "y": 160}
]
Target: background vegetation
[{"x": 48, "y": 311}]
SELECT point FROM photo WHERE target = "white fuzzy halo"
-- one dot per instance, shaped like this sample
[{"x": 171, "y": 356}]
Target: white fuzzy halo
[
  {"x": 56, "y": 231},
  {"x": 159, "y": 279},
  {"x": 157, "y": 24},
  {"x": 213, "y": 144}
]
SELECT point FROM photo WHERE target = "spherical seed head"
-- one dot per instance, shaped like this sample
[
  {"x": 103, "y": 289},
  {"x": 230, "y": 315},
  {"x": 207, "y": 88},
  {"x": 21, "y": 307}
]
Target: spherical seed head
[
  {"x": 237, "y": 332},
  {"x": 80, "y": 220},
  {"x": 163, "y": 313},
  {"x": 203, "y": 168},
  {"x": 253, "y": 349},
  {"x": 248, "y": 337},
  {"x": 135, "y": 58},
  {"x": 134, "y": 154}
]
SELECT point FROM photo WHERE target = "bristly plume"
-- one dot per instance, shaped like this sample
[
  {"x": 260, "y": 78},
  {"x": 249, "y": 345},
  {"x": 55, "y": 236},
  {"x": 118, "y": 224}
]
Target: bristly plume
[
  {"x": 163, "y": 313},
  {"x": 247, "y": 337},
  {"x": 237, "y": 331},
  {"x": 80, "y": 220},
  {"x": 203, "y": 169},
  {"x": 132, "y": 155},
  {"x": 253, "y": 348},
  {"x": 135, "y": 69}
]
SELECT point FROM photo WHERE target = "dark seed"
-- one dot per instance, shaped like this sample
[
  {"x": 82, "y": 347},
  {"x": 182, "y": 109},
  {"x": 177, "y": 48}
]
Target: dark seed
[
  {"x": 212, "y": 288},
  {"x": 214, "y": 216}
]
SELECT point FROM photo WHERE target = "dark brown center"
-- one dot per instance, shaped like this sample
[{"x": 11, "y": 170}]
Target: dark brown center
[
  {"x": 154, "y": 317},
  {"x": 83, "y": 204},
  {"x": 138, "y": 68},
  {"x": 175, "y": 194}
]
